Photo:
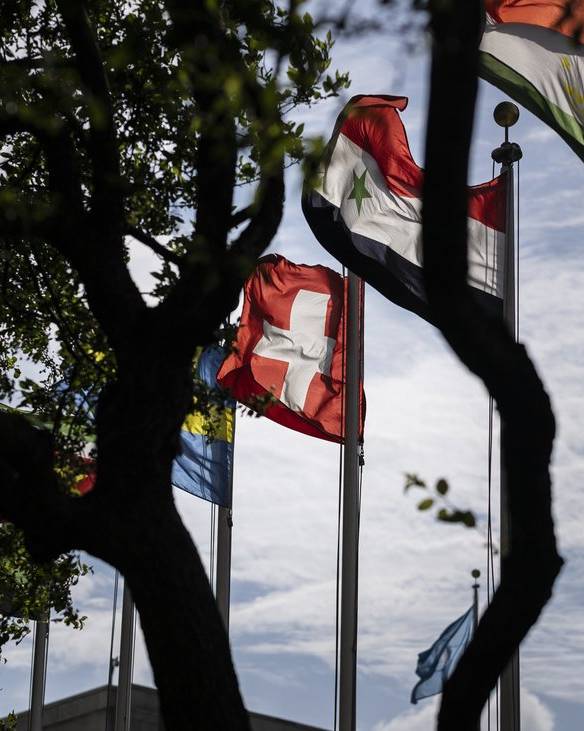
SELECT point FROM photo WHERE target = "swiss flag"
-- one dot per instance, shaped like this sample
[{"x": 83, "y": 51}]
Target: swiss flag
[{"x": 288, "y": 355}]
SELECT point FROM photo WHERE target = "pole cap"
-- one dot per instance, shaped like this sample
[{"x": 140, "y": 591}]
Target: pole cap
[{"x": 506, "y": 114}]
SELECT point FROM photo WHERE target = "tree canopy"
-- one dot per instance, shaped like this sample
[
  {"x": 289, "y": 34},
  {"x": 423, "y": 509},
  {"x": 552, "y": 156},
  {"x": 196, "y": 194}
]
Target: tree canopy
[{"x": 146, "y": 123}]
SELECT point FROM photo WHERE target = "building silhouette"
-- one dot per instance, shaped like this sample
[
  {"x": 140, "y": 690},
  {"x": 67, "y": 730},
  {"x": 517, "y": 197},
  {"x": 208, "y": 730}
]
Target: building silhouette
[{"x": 92, "y": 710}]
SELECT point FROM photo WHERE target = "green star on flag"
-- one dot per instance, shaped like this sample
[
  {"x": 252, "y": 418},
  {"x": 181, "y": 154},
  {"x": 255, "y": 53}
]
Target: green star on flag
[{"x": 359, "y": 191}]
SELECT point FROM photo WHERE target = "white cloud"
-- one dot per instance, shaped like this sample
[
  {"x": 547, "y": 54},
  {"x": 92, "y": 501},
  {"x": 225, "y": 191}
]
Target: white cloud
[
  {"x": 418, "y": 719},
  {"x": 535, "y": 716}
]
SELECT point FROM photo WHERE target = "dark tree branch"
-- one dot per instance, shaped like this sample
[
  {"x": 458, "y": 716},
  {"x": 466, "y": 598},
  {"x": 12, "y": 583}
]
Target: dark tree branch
[
  {"x": 155, "y": 246},
  {"x": 63, "y": 204},
  {"x": 108, "y": 198},
  {"x": 208, "y": 290},
  {"x": 59, "y": 217},
  {"x": 266, "y": 216},
  {"x": 29, "y": 494},
  {"x": 31, "y": 220},
  {"x": 213, "y": 273},
  {"x": 209, "y": 55},
  {"x": 486, "y": 347},
  {"x": 241, "y": 216},
  {"x": 38, "y": 63}
]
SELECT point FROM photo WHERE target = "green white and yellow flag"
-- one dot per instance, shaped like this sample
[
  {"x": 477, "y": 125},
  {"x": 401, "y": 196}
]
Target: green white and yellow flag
[{"x": 533, "y": 50}]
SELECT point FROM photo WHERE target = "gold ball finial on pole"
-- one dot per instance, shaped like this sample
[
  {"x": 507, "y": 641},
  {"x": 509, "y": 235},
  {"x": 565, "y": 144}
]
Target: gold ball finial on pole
[{"x": 506, "y": 114}]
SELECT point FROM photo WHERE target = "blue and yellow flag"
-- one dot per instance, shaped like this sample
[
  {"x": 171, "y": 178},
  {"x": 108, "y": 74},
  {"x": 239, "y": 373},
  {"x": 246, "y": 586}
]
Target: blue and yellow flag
[{"x": 205, "y": 465}]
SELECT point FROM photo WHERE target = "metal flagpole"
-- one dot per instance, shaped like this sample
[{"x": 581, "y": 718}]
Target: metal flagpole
[
  {"x": 124, "y": 694},
  {"x": 39, "y": 673},
  {"x": 224, "y": 536},
  {"x": 223, "y": 571},
  {"x": 506, "y": 115},
  {"x": 350, "y": 514},
  {"x": 475, "y": 612},
  {"x": 475, "y": 599}
]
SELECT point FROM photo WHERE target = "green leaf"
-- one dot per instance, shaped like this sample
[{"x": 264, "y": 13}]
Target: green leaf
[
  {"x": 442, "y": 487},
  {"x": 426, "y": 504},
  {"x": 466, "y": 517},
  {"x": 412, "y": 480}
]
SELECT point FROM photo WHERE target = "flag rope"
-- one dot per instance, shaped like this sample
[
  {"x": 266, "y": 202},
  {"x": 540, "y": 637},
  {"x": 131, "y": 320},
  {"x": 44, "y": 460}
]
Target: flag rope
[
  {"x": 516, "y": 681},
  {"x": 490, "y": 547},
  {"x": 340, "y": 499}
]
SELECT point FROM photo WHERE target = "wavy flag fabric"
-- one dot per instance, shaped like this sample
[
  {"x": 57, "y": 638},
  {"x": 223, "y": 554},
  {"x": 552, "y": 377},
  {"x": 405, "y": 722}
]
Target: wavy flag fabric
[
  {"x": 204, "y": 466},
  {"x": 287, "y": 357},
  {"x": 533, "y": 50},
  {"x": 436, "y": 664},
  {"x": 366, "y": 208}
]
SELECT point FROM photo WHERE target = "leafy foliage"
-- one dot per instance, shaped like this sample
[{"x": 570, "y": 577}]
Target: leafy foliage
[
  {"x": 166, "y": 96},
  {"x": 446, "y": 511},
  {"x": 9, "y": 723},
  {"x": 28, "y": 589}
]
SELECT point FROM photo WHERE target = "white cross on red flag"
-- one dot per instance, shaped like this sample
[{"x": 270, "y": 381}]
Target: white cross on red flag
[{"x": 288, "y": 355}]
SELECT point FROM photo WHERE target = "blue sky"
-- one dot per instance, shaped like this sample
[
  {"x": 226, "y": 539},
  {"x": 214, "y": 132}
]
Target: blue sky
[{"x": 425, "y": 414}]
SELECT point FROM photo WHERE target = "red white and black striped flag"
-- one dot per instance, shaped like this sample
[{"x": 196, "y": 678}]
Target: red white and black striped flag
[{"x": 366, "y": 208}]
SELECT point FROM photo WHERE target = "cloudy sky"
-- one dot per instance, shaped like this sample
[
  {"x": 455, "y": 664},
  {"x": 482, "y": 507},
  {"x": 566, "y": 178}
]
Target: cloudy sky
[{"x": 425, "y": 414}]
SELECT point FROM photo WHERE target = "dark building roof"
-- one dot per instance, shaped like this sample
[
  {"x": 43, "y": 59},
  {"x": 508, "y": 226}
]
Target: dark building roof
[{"x": 88, "y": 712}]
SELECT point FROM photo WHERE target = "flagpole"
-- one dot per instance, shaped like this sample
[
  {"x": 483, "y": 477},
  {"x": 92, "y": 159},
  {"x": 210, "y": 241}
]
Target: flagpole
[
  {"x": 39, "y": 672},
  {"x": 506, "y": 115},
  {"x": 475, "y": 599},
  {"x": 124, "y": 694},
  {"x": 475, "y": 612},
  {"x": 223, "y": 571},
  {"x": 350, "y": 511}
]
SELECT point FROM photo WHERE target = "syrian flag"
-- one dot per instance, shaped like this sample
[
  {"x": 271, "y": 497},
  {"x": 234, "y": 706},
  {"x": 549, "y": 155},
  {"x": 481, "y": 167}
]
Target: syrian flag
[
  {"x": 533, "y": 50},
  {"x": 366, "y": 209},
  {"x": 288, "y": 354}
]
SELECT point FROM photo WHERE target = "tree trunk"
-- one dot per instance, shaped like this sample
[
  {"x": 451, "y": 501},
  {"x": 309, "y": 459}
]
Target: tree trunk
[
  {"x": 130, "y": 521},
  {"x": 138, "y": 423},
  {"x": 186, "y": 640}
]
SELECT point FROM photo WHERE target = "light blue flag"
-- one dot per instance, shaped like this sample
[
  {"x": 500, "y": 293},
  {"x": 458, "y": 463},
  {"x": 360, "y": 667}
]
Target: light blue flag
[
  {"x": 204, "y": 466},
  {"x": 436, "y": 665}
]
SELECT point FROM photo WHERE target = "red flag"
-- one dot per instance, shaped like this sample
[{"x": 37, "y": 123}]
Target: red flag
[
  {"x": 289, "y": 346},
  {"x": 86, "y": 480}
]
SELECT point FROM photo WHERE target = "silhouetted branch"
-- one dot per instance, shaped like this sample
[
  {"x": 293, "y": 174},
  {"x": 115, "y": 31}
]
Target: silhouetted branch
[
  {"x": 267, "y": 214},
  {"x": 104, "y": 149},
  {"x": 29, "y": 494},
  {"x": 486, "y": 347},
  {"x": 154, "y": 245}
]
